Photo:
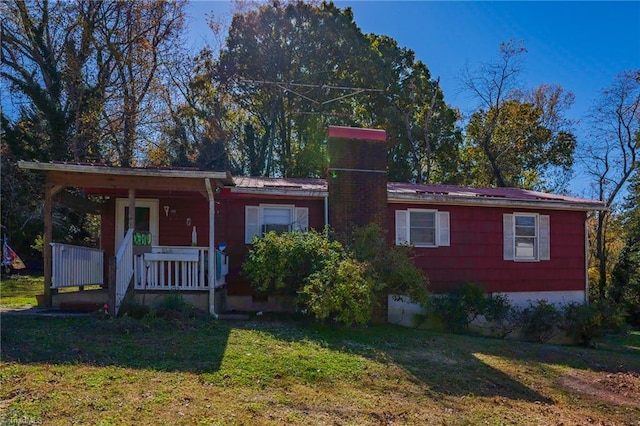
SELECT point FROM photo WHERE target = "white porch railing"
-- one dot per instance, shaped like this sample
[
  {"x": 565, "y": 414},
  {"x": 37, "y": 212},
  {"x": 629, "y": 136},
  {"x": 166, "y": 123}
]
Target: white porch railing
[
  {"x": 74, "y": 266},
  {"x": 124, "y": 268},
  {"x": 178, "y": 268}
]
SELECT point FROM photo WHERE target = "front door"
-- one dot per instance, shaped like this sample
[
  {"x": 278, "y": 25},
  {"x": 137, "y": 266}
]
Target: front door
[{"x": 146, "y": 221}]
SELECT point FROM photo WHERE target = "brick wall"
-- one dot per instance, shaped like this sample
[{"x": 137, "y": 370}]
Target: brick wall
[
  {"x": 357, "y": 183},
  {"x": 357, "y": 179}
]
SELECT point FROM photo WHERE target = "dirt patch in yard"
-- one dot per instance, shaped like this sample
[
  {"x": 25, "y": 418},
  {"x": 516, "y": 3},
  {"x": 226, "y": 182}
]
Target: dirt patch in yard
[{"x": 622, "y": 388}]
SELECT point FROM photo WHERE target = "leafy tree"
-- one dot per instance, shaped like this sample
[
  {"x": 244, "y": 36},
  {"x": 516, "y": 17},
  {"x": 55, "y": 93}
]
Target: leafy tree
[
  {"x": 49, "y": 67},
  {"x": 49, "y": 61},
  {"x": 516, "y": 138},
  {"x": 278, "y": 63},
  {"x": 140, "y": 39},
  {"x": 200, "y": 131},
  {"x": 79, "y": 74},
  {"x": 611, "y": 157},
  {"x": 625, "y": 286},
  {"x": 422, "y": 130}
]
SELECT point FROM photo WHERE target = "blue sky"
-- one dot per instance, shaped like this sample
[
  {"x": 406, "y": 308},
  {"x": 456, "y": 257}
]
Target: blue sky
[{"x": 579, "y": 45}]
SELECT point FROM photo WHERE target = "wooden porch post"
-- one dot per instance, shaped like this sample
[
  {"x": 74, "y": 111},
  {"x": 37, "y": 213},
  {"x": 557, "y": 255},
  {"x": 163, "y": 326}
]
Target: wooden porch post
[
  {"x": 49, "y": 191},
  {"x": 112, "y": 286},
  {"x": 112, "y": 260},
  {"x": 132, "y": 208}
]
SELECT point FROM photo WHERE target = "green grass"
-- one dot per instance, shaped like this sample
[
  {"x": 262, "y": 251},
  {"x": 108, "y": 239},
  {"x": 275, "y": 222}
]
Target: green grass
[
  {"x": 20, "y": 290},
  {"x": 627, "y": 342},
  {"x": 153, "y": 371},
  {"x": 205, "y": 372},
  {"x": 17, "y": 291}
]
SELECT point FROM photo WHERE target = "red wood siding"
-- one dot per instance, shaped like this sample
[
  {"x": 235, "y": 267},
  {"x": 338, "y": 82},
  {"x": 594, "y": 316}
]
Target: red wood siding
[
  {"x": 172, "y": 228},
  {"x": 229, "y": 225},
  {"x": 476, "y": 252},
  {"x": 230, "y": 229}
]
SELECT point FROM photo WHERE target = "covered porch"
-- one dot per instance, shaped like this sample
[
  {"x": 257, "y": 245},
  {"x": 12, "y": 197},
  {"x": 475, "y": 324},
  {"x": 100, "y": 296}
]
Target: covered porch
[{"x": 133, "y": 257}]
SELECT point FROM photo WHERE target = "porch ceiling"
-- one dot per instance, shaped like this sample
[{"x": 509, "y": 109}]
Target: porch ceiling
[{"x": 98, "y": 176}]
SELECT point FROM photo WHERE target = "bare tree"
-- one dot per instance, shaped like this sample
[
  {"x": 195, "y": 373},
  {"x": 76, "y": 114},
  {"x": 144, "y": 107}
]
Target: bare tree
[
  {"x": 141, "y": 39},
  {"x": 612, "y": 155},
  {"x": 517, "y": 137},
  {"x": 492, "y": 84}
]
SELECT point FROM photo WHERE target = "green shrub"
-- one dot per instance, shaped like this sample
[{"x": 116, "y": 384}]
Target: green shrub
[
  {"x": 501, "y": 314},
  {"x": 586, "y": 322},
  {"x": 329, "y": 281},
  {"x": 460, "y": 307},
  {"x": 280, "y": 263},
  {"x": 344, "y": 292},
  {"x": 539, "y": 321},
  {"x": 391, "y": 265},
  {"x": 130, "y": 307},
  {"x": 174, "y": 307}
]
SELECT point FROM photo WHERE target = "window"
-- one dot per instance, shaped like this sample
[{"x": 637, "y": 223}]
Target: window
[
  {"x": 422, "y": 228},
  {"x": 274, "y": 217},
  {"x": 526, "y": 237}
]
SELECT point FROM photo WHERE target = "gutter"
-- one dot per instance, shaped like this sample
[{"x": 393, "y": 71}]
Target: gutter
[{"x": 310, "y": 193}]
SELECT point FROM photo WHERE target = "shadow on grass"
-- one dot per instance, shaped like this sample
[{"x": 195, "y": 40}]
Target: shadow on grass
[
  {"x": 459, "y": 364},
  {"x": 193, "y": 345},
  {"x": 447, "y": 364}
]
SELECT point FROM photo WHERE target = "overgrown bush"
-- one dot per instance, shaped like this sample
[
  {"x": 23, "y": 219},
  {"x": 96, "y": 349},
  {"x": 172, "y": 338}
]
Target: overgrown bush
[
  {"x": 583, "y": 323},
  {"x": 539, "y": 321},
  {"x": 345, "y": 292},
  {"x": 501, "y": 314},
  {"x": 459, "y": 307},
  {"x": 172, "y": 306},
  {"x": 329, "y": 281},
  {"x": 391, "y": 265},
  {"x": 280, "y": 263}
]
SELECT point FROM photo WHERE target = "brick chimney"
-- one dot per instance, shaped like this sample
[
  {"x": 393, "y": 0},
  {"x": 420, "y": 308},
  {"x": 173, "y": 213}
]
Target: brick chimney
[{"x": 357, "y": 178}]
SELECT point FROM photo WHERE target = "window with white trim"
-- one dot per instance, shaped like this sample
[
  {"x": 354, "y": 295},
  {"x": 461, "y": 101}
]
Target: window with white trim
[
  {"x": 422, "y": 228},
  {"x": 274, "y": 217},
  {"x": 526, "y": 237}
]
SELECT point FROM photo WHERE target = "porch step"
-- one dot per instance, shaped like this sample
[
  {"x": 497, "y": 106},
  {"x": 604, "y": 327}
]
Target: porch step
[
  {"x": 236, "y": 317},
  {"x": 80, "y": 306},
  {"x": 81, "y": 301}
]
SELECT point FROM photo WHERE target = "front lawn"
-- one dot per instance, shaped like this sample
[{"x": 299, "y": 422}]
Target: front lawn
[
  {"x": 114, "y": 372},
  {"x": 20, "y": 290}
]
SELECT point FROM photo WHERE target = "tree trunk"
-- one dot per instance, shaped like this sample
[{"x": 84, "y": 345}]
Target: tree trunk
[{"x": 601, "y": 254}]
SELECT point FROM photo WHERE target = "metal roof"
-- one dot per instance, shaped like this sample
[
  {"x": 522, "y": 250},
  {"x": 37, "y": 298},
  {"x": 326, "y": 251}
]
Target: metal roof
[
  {"x": 400, "y": 192},
  {"x": 425, "y": 193},
  {"x": 102, "y": 169}
]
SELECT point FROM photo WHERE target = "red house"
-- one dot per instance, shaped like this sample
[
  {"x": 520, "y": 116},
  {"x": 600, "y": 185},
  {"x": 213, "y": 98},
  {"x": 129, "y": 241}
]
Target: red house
[{"x": 191, "y": 229}]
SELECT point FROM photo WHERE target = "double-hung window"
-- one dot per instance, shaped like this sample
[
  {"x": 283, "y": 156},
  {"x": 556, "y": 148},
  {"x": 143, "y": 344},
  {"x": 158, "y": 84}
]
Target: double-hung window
[
  {"x": 422, "y": 228},
  {"x": 526, "y": 237},
  {"x": 278, "y": 218}
]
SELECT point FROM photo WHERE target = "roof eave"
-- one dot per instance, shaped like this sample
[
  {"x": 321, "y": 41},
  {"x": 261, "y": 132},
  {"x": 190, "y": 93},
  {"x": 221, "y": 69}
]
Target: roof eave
[
  {"x": 495, "y": 202},
  {"x": 297, "y": 192},
  {"x": 223, "y": 177}
]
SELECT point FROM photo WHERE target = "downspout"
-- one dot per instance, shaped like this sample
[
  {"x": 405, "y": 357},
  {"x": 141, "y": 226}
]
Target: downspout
[
  {"x": 212, "y": 250},
  {"x": 326, "y": 210}
]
